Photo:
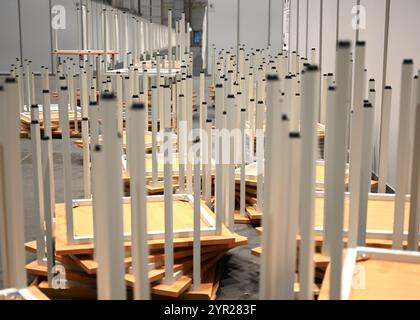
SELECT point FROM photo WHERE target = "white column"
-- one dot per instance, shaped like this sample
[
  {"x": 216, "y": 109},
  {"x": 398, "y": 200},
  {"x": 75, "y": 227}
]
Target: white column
[
  {"x": 111, "y": 268},
  {"x": 356, "y": 142},
  {"x": 310, "y": 93},
  {"x": 120, "y": 100},
  {"x": 38, "y": 185},
  {"x": 177, "y": 55},
  {"x": 203, "y": 111},
  {"x": 313, "y": 56},
  {"x": 48, "y": 213},
  {"x": 65, "y": 137},
  {"x": 366, "y": 166},
  {"x": 242, "y": 164},
  {"x": 159, "y": 93},
  {"x": 336, "y": 168},
  {"x": 188, "y": 39},
  {"x": 85, "y": 137},
  {"x": 384, "y": 144},
  {"x": 135, "y": 41},
  {"x": 189, "y": 119},
  {"x": 323, "y": 114},
  {"x": 170, "y": 41},
  {"x": 11, "y": 212},
  {"x": 197, "y": 218},
  {"x": 167, "y": 106},
  {"x": 174, "y": 111},
  {"x": 21, "y": 85},
  {"x": 28, "y": 78},
  {"x": 270, "y": 273},
  {"x": 414, "y": 222},
  {"x": 219, "y": 108},
  {"x": 208, "y": 164},
  {"x": 169, "y": 227},
  {"x": 223, "y": 173},
  {"x": 403, "y": 154},
  {"x": 182, "y": 142},
  {"x": 260, "y": 154},
  {"x": 230, "y": 140},
  {"x": 252, "y": 128},
  {"x": 140, "y": 249},
  {"x": 293, "y": 210},
  {"x": 182, "y": 36},
  {"x": 46, "y": 110},
  {"x": 154, "y": 134},
  {"x": 329, "y": 178},
  {"x": 213, "y": 66},
  {"x": 146, "y": 99},
  {"x": 283, "y": 282}
]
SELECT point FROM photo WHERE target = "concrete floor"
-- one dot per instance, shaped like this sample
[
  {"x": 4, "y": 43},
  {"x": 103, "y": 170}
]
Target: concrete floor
[{"x": 240, "y": 270}]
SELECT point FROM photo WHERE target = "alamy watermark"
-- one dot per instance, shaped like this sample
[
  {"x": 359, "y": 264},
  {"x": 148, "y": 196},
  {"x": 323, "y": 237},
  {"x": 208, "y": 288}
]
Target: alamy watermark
[
  {"x": 59, "y": 280},
  {"x": 359, "y": 278},
  {"x": 229, "y": 146},
  {"x": 58, "y": 17},
  {"x": 358, "y": 21}
]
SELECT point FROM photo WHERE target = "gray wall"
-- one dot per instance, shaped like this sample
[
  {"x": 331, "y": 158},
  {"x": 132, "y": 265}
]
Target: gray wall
[
  {"x": 25, "y": 31},
  {"x": 9, "y": 34},
  {"x": 404, "y": 43},
  {"x": 334, "y": 16},
  {"x": 222, "y": 24},
  {"x": 253, "y": 23},
  {"x": 36, "y": 33}
]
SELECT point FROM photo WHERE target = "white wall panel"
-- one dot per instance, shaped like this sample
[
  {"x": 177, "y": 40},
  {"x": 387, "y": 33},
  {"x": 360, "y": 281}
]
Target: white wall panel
[
  {"x": 253, "y": 23},
  {"x": 68, "y": 39},
  {"x": 96, "y": 25},
  {"x": 345, "y": 30},
  {"x": 314, "y": 25},
  {"x": 222, "y": 22},
  {"x": 36, "y": 36},
  {"x": 276, "y": 25},
  {"x": 9, "y": 31},
  {"x": 404, "y": 42},
  {"x": 374, "y": 37},
  {"x": 302, "y": 36},
  {"x": 293, "y": 20},
  {"x": 329, "y": 36}
]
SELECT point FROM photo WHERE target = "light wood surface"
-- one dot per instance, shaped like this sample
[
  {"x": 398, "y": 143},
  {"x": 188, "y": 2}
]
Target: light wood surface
[
  {"x": 90, "y": 266},
  {"x": 64, "y": 248},
  {"x": 174, "y": 290},
  {"x": 241, "y": 219},
  {"x": 388, "y": 280},
  {"x": 253, "y": 214},
  {"x": 381, "y": 280},
  {"x": 319, "y": 259},
  {"x": 147, "y": 142},
  {"x": 251, "y": 176},
  {"x": 75, "y": 290},
  {"x": 209, "y": 283},
  {"x": 84, "y": 52},
  {"x": 38, "y": 294},
  {"x": 380, "y": 214},
  {"x": 183, "y": 217},
  {"x": 35, "y": 268}
]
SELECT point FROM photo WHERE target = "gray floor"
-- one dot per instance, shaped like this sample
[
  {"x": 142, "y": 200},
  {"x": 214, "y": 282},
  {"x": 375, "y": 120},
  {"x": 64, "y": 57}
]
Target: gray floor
[{"x": 240, "y": 270}]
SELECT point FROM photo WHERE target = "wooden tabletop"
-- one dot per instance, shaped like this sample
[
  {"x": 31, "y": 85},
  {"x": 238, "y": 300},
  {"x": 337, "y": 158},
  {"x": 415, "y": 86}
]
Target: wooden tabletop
[{"x": 84, "y": 52}]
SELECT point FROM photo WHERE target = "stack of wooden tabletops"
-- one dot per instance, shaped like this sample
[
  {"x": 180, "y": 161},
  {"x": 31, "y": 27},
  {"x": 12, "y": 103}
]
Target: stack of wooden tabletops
[{"x": 81, "y": 267}]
